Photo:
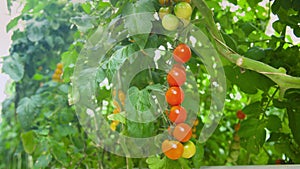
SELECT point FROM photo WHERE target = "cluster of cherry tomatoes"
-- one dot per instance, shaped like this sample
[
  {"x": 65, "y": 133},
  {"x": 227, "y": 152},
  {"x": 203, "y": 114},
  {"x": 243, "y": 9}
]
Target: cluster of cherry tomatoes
[
  {"x": 121, "y": 96},
  {"x": 175, "y": 13},
  {"x": 180, "y": 144},
  {"x": 58, "y": 72}
]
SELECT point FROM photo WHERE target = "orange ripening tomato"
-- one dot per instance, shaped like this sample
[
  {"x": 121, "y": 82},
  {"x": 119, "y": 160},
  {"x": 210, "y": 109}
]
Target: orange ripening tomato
[
  {"x": 237, "y": 127},
  {"x": 177, "y": 114},
  {"x": 59, "y": 66},
  {"x": 164, "y": 2},
  {"x": 174, "y": 96},
  {"x": 172, "y": 149},
  {"x": 182, "y": 132},
  {"x": 176, "y": 77},
  {"x": 182, "y": 53}
]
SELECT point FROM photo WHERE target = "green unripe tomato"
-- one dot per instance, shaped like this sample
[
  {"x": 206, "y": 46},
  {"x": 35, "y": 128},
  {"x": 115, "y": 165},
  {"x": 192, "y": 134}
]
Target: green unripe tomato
[
  {"x": 170, "y": 22},
  {"x": 163, "y": 11},
  {"x": 183, "y": 10}
]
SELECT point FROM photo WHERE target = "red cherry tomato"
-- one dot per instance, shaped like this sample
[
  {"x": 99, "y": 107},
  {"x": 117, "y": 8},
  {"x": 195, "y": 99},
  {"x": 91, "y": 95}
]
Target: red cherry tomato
[
  {"x": 182, "y": 53},
  {"x": 240, "y": 115},
  {"x": 177, "y": 114},
  {"x": 182, "y": 132},
  {"x": 174, "y": 96},
  {"x": 176, "y": 77}
]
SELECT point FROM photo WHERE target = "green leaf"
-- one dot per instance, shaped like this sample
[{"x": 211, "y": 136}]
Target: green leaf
[
  {"x": 155, "y": 162},
  {"x": 255, "y": 53},
  {"x": 43, "y": 161},
  {"x": 260, "y": 159},
  {"x": 140, "y": 130},
  {"x": 138, "y": 20},
  {"x": 100, "y": 76},
  {"x": 155, "y": 87},
  {"x": 36, "y": 30},
  {"x": 83, "y": 23},
  {"x": 12, "y": 23},
  {"x": 248, "y": 81},
  {"x": 198, "y": 157},
  {"x": 294, "y": 118},
  {"x": 184, "y": 163},
  {"x": 60, "y": 153},
  {"x": 13, "y": 66},
  {"x": 253, "y": 3},
  {"x": 233, "y": 1},
  {"x": 65, "y": 130},
  {"x": 86, "y": 7},
  {"x": 274, "y": 123},
  {"x": 229, "y": 41},
  {"x": 278, "y": 26},
  {"x": 69, "y": 59},
  {"x": 27, "y": 111},
  {"x": 38, "y": 77},
  {"x": 28, "y": 141},
  {"x": 249, "y": 127},
  {"x": 253, "y": 135}
]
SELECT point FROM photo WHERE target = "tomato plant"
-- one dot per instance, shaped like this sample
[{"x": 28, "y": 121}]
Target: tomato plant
[{"x": 40, "y": 126}]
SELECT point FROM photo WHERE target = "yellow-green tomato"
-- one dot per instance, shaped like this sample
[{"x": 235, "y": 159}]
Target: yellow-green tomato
[
  {"x": 183, "y": 10},
  {"x": 170, "y": 22},
  {"x": 189, "y": 150},
  {"x": 163, "y": 11}
]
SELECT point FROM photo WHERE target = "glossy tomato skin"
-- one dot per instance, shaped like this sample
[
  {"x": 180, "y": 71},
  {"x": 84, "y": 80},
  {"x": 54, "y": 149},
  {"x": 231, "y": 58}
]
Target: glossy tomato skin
[
  {"x": 174, "y": 96},
  {"x": 176, "y": 77},
  {"x": 172, "y": 149},
  {"x": 183, "y": 10},
  {"x": 170, "y": 22},
  {"x": 182, "y": 53},
  {"x": 189, "y": 149},
  {"x": 177, "y": 114},
  {"x": 240, "y": 115},
  {"x": 179, "y": 66},
  {"x": 182, "y": 132}
]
